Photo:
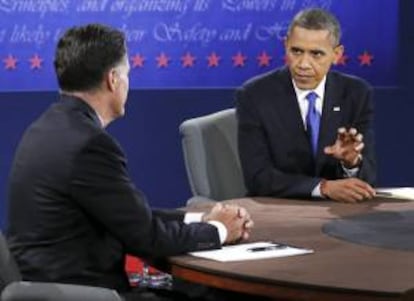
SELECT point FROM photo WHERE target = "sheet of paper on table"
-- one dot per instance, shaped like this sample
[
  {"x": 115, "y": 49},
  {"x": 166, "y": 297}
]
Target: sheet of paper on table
[
  {"x": 250, "y": 251},
  {"x": 405, "y": 193}
]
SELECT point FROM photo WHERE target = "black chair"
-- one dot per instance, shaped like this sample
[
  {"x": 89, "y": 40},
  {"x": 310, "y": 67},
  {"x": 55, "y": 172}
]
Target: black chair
[{"x": 12, "y": 288}]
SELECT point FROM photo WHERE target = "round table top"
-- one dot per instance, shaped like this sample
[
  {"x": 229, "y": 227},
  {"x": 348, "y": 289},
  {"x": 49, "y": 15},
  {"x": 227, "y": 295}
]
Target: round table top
[{"x": 336, "y": 265}]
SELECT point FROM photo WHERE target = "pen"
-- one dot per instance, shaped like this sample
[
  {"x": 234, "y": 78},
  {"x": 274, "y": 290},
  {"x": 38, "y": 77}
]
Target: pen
[
  {"x": 383, "y": 193},
  {"x": 267, "y": 248}
]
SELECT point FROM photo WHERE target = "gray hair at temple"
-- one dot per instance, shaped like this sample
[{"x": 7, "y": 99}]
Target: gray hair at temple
[{"x": 317, "y": 19}]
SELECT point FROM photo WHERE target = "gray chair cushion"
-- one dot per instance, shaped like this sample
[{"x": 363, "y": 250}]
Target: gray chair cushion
[
  {"x": 211, "y": 156},
  {"x": 13, "y": 289},
  {"x": 34, "y": 291}
]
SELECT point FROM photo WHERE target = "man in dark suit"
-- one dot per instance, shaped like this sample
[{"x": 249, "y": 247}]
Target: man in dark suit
[
  {"x": 73, "y": 210},
  {"x": 306, "y": 131}
]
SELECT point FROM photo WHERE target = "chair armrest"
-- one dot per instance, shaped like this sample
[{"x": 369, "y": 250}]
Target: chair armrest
[
  {"x": 42, "y": 291},
  {"x": 198, "y": 199}
]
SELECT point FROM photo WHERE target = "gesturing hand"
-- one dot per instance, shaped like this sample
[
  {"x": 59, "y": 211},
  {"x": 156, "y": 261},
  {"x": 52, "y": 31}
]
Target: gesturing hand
[{"x": 347, "y": 147}]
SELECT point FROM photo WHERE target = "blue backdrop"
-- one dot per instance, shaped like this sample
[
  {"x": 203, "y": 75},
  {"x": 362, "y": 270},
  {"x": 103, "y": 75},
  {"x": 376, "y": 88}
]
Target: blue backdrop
[
  {"x": 149, "y": 131},
  {"x": 192, "y": 43}
]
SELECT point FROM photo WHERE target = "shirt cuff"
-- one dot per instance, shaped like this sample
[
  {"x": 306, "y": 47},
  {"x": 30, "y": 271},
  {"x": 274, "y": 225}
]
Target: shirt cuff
[
  {"x": 193, "y": 217},
  {"x": 221, "y": 229},
  {"x": 316, "y": 192},
  {"x": 350, "y": 172},
  {"x": 196, "y": 217}
]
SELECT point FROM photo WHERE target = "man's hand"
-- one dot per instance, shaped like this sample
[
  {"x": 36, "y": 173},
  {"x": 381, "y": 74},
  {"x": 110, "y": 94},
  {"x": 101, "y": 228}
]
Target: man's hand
[
  {"x": 351, "y": 190},
  {"x": 236, "y": 219},
  {"x": 347, "y": 147}
]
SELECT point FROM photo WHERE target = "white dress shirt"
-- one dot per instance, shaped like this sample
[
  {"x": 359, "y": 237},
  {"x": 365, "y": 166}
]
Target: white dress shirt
[
  {"x": 195, "y": 217},
  {"x": 303, "y": 106}
]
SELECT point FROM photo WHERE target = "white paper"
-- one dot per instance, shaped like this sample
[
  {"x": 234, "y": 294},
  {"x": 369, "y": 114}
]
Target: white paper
[
  {"x": 406, "y": 193},
  {"x": 246, "y": 252}
]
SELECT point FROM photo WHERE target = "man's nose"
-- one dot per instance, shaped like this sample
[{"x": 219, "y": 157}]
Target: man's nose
[{"x": 304, "y": 61}]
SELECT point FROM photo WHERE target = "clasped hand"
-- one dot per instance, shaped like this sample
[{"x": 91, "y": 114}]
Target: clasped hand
[{"x": 236, "y": 219}]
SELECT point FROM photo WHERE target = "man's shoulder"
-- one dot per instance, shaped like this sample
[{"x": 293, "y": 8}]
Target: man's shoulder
[{"x": 348, "y": 81}]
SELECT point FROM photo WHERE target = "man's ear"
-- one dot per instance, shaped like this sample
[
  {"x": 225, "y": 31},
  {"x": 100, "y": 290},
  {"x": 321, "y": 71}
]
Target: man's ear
[
  {"x": 338, "y": 52},
  {"x": 111, "y": 79}
]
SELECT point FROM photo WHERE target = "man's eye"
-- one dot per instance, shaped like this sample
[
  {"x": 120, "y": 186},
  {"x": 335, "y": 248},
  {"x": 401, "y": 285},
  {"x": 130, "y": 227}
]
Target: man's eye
[
  {"x": 296, "y": 51},
  {"x": 317, "y": 54}
]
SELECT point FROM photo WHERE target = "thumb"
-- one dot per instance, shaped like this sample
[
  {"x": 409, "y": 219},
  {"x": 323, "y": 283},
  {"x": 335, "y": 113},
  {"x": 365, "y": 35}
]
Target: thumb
[{"x": 328, "y": 150}]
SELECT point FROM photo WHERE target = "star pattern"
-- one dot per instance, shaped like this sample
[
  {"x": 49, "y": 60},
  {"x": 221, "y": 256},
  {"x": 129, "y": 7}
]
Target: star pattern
[
  {"x": 213, "y": 60},
  {"x": 137, "y": 61},
  {"x": 264, "y": 59},
  {"x": 239, "y": 60},
  {"x": 188, "y": 60},
  {"x": 10, "y": 62},
  {"x": 35, "y": 62},
  {"x": 365, "y": 59},
  {"x": 343, "y": 60},
  {"x": 162, "y": 60}
]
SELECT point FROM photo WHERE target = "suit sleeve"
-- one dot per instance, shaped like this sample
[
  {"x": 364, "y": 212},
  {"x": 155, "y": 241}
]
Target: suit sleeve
[
  {"x": 102, "y": 187},
  {"x": 364, "y": 119},
  {"x": 261, "y": 177}
]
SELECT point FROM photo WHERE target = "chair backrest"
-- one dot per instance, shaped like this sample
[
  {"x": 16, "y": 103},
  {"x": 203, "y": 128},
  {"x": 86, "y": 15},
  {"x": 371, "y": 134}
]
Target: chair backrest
[
  {"x": 8, "y": 267},
  {"x": 211, "y": 156}
]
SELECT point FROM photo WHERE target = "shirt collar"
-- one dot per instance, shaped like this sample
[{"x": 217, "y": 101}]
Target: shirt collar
[{"x": 319, "y": 90}]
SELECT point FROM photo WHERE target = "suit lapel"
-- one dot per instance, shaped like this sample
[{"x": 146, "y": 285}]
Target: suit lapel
[
  {"x": 290, "y": 110},
  {"x": 331, "y": 118}
]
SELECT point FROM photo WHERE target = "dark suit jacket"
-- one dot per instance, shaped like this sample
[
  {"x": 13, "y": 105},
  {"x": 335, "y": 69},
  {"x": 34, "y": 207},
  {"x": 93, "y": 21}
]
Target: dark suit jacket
[
  {"x": 74, "y": 212},
  {"x": 275, "y": 151}
]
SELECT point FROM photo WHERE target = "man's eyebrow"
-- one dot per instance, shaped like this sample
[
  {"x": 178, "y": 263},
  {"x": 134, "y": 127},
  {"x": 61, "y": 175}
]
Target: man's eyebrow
[{"x": 317, "y": 51}]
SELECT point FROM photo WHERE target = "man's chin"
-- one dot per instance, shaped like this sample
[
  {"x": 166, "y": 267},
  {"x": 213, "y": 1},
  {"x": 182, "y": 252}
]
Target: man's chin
[{"x": 305, "y": 84}]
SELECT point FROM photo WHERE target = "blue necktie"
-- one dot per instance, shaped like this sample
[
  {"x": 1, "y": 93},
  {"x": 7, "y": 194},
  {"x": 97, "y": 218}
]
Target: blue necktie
[{"x": 313, "y": 120}]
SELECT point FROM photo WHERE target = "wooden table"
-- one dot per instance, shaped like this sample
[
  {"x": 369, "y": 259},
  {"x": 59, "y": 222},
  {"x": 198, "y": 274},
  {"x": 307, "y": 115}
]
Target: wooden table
[{"x": 338, "y": 270}]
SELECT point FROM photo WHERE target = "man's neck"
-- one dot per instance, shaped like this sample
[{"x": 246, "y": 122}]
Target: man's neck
[{"x": 97, "y": 102}]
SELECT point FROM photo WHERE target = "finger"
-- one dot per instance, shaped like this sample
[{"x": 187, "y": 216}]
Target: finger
[
  {"x": 242, "y": 212},
  {"x": 341, "y": 133},
  {"x": 369, "y": 192},
  {"x": 249, "y": 224},
  {"x": 347, "y": 199},
  {"x": 354, "y": 197},
  {"x": 364, "y": 194},
  {"x": 217, "y": 207},
  {"x": 363, "y": 189},
  {"x": 353, "y": 131},
  {"x": 359, "y": 147},
  {"x": 328, "y": 150},
  {"x": 351, "y": 192},
  {"x": 359, "y": 137},
  {"x": 230, "y": 208},
  {"x": 341, "y": 130}
]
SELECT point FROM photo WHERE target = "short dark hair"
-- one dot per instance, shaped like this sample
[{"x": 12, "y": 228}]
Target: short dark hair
[
  {"x": 85, "y": 53},
  {"x": 317, "y": 19}
]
